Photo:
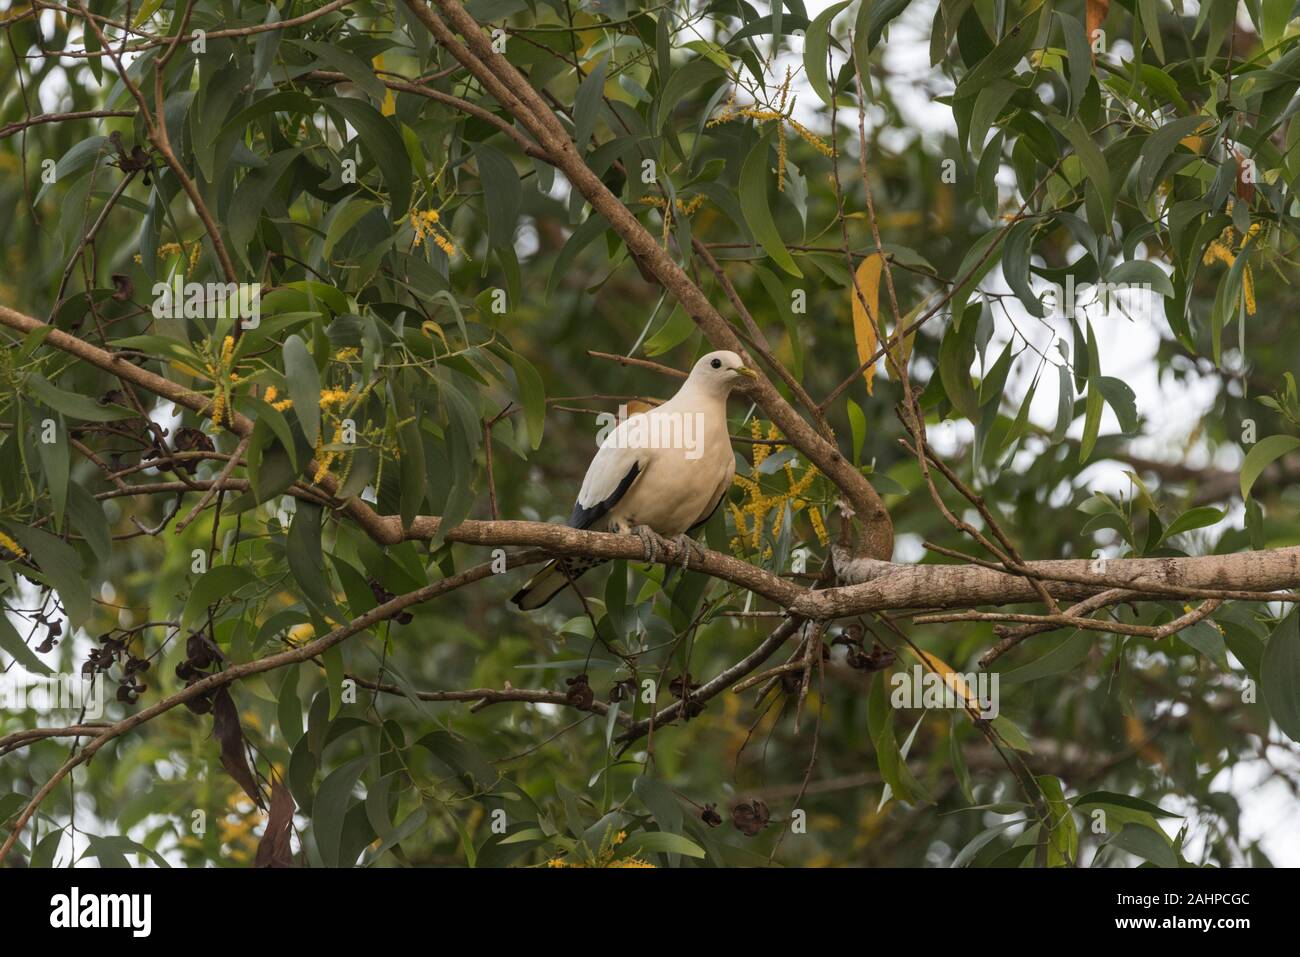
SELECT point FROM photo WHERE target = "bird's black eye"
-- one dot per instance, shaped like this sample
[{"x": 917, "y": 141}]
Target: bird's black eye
[{"x": 717, "y": 363}]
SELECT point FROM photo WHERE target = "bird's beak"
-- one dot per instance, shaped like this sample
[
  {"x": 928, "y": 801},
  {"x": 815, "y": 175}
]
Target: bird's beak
[{"x": 747, "y": 372}]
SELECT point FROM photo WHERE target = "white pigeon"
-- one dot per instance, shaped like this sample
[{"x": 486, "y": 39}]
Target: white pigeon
[{"x": 657, "y": 475}]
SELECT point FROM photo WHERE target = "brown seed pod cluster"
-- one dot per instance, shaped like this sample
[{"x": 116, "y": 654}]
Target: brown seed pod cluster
[
  {"x": 579, "y": 693},
  {"x": 191, "y": 440},
  {"x": 877, "y": 659},
  {"x": 201, "y": 654},
  {"x": 750, "y": 817},
  {"x": 622, "y": 690},
  {"x": 382, "y": 595},
  {"x": 111, "y": 649}
]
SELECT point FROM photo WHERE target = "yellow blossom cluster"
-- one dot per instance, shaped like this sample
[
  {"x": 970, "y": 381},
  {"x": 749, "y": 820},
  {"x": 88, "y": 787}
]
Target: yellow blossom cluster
[
  {"x": 426, "y": 226},
  {"x": 686, "y": 208},
  {"x": 337, "y": 405},
  {"x": 221, "y": 371},
  {"x": 190, "y": 252},
  {"x": 782, "y": 116},
  {"x": 750, "y": 516},
  {"x": 1221, "y": 250},
  {"x": 270, "y": 398},
  {"x": 10, "y": 545},
  {"x": 604, "y": 856}
]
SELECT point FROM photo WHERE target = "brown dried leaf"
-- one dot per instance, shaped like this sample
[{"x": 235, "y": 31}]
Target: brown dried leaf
[
  {"x": 1097, "y": 11},
  {"x": 275, "y": 848},
  {"x": 225, "y": 725}
]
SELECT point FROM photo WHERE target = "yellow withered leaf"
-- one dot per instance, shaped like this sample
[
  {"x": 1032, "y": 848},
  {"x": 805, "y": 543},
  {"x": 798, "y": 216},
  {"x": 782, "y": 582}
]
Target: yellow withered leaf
[
  {"x": 866, "y": 331},
  {"x": 952, "y": 679},
  {"x": 865, "y": 315}
]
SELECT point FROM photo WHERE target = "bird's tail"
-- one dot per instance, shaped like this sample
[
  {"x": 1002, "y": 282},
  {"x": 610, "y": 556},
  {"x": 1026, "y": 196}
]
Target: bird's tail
[{"x": 552, "y": 580}]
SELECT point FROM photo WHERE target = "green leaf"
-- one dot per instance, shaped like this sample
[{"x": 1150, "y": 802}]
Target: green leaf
[
  {"x": 1078, "y": 65},
  {"x": 1280, "y": 675},
  {"x": 306, "y": 556},
  {"x": 1142, "y": 272},
  {"x": 688, "y": 79},
  {"x": 1159, "y": 146},
  {"x": 660, "y": 842},
  {"x": 1094, "y": 162},
  {"x": 755, "y": 206},
  {"x": 1193, "y": 518},
  {"x": 72, "y": 405},
  {"x": 1003, "y": 59},
  {"x": 587, "y": 102},
  {"x": 1150, "y": 12},
  {"x": 1122, "y": 800},
  {"x": 380, "y": 138},
  {"x": 304, "y": 386},
  {"x": 1015, "y": 264},
  {"x": 883, "y": 13},
  {"x": 353, "y": 67},
  {"x": 251, "y": 198},
  {"x": 1122, "y": 400},
  {"x": 982, "y": 840},
  {"x": 1143, "y": 842},
  {"x": 1263, "y": 454},
  {"x": 61, "y": 568},
  {"x": 55, "y": 466},
  {"x": 816, "y": 44},
  {"x": 219, "y": 582},
  {"x": 1091, "y": 419},
  {"x": 956, "y": 356},
  {"x": 532, "y": 393},
  {"x": 501, "y": 194},
  {"x": 1061, "y": 659},
  {"x": 858, "y": 425},
  {"x": 330, "y": 807},
  {"x": 1064, "y": 404}
]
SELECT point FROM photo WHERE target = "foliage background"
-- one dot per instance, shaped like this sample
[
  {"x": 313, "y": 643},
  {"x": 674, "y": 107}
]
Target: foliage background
[{"x": 357, "y": 273}]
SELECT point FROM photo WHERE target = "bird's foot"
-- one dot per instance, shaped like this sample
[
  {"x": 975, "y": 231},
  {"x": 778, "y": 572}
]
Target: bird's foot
[
  {"x": 685, "y": 546},
  {"x": 651, "y": 541}
]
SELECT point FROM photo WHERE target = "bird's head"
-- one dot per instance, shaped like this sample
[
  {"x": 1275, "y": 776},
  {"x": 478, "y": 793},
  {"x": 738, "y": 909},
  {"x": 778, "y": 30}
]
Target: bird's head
[{"x": 720, "y": 371}]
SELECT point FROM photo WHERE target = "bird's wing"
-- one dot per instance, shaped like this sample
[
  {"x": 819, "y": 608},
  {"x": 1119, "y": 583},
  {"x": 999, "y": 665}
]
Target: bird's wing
[{"x": 612, "y": 472}]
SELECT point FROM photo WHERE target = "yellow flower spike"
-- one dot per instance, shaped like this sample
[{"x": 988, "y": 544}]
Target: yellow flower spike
[
  {"x": 218, "y": 407},
  {"x": 811, "y": 138},
  {"x": 8, "y": 543},
  {"x": 1248, "y": 290},
  {"x": 737, "y": 516},
  {"x": 780, "y": 164},
  {"x": 761, "y": 449},
  {"x": 269, "y": 395},
  {"x": 819, "y": 526}
]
